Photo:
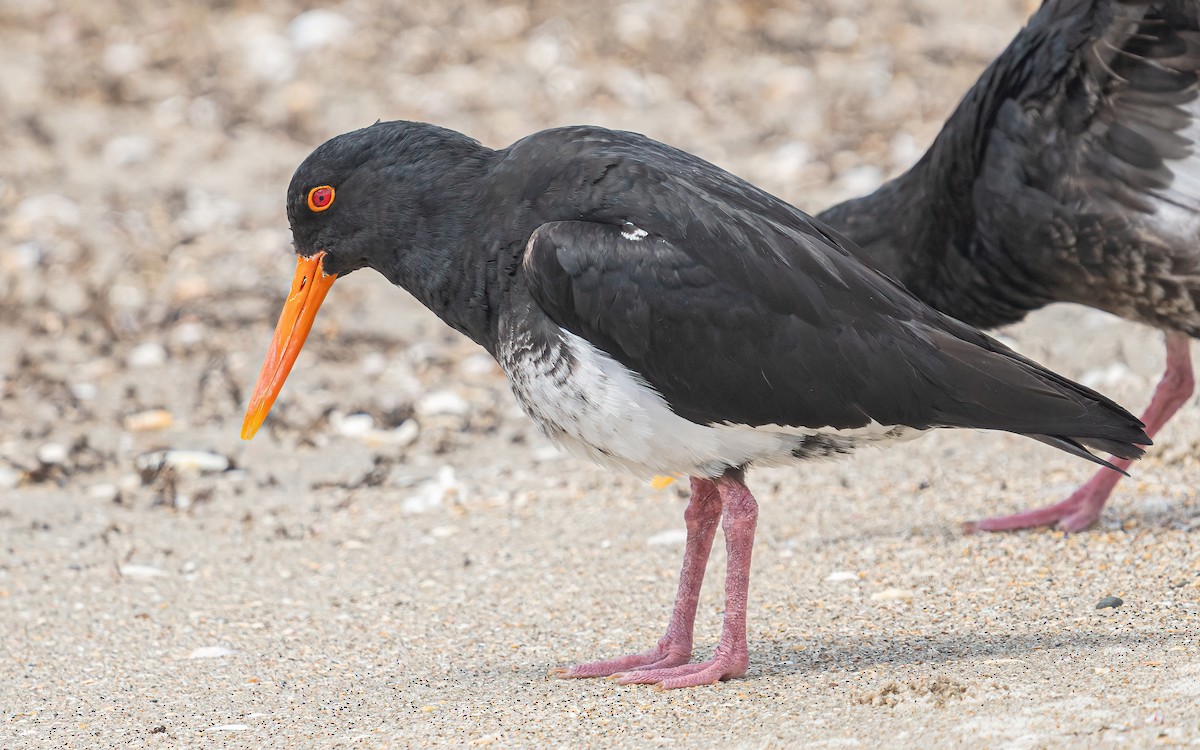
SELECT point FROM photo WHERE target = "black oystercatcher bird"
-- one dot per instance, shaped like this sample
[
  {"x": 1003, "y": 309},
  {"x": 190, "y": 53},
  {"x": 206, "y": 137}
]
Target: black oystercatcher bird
[
  {"x": 1069, "y": 173},
  {"x": 657, "y": 314}
]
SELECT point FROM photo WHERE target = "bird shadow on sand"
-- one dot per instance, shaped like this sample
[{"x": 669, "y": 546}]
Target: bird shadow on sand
[
  {"x": 1182, "y": 515},
  {"x": 778, "y": 658}
]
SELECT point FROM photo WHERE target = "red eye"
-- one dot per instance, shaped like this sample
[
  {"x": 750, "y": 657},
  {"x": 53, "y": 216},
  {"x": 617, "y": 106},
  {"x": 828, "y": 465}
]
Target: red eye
[{"x": 320, "y": 198}]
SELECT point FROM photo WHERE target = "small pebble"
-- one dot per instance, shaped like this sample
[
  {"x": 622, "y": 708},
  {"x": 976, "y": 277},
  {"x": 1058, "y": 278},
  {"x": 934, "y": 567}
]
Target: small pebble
[
  {"x": 405, "y": 434},
  {"x": 188, "y": 334},
  {"x": 202, "y": 462},
  {"x": 48, "y": 209},
  {"x": 790, "y": 158},
  {"x": 126, "y": 150},
  {"x": 146, "y": 421},
  {"x": 904, "y": 149},
  {"x": 842, "y": 575},
  {"x": 204, "y": 212},
  {"x": 892, "y": 595},
  {"x": 318, "y": 28},
  {"x": 442, "y": 402},
  {"x": 266, "y": 54},
  {"x": 1110, "y": 601},
  {"x": 479, "y": 364},
  {"x": 132, "y": 570},
  {"x": 105, "y": 492},
  {"x": 9, "y": 478},
  {"x": 52, "y": 454},
  {"x": 190, "y": 288},
  {"x": 860, "y": 180},
  {"x": 121, "y": 59},
  {"x": 84, "y": 391},
  {"x": 203, "y": 112},
  {"x": 353, "y": 425},
  {"x": 26, "y": 255},
  {"x": 67, "y": 297},
  {"x": 210, "y": 652},
  {"x": 841, "y": 32},
  {"x": 127, "y": 296},
  {"x": 670, "y": 536},
  {"x": 434, "y": 493},
  {"x": 372, "y": 363},
  {"x": 547, "y": 453},
  {"x": 149, "y": 354}
]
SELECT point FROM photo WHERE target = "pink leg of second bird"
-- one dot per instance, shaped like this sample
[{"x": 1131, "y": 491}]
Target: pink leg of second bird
[
  {"x": 667, "y": 664},
  {"x": 1082, "y": 509}
]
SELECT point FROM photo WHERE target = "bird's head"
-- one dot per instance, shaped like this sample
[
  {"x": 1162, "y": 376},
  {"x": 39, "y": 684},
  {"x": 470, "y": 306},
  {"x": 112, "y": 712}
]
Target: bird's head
[{"x": 362, "y": 199}]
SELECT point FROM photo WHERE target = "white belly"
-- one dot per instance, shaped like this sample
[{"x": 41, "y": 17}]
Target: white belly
[{"x": 595, "y": 407}]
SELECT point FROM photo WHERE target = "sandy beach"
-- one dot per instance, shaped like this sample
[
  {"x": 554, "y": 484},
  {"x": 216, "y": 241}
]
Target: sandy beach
[{"x": 400, "y": 558}]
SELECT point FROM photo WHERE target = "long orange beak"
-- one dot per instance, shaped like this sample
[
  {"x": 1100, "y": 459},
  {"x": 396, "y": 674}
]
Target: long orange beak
[{"x": 309, "y": 287}]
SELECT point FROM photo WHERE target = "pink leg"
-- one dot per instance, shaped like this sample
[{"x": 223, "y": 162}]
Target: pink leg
[
  {"x": 675, "y": 647},
  {"x": 731, "y": 657},
  {"x": 1082, "y": 508}
]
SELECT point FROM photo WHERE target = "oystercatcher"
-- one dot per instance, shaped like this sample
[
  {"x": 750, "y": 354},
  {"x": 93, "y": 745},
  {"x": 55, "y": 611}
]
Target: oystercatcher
[
  {"x": 1069, "y": 173},
  {"x": 657, "y": 314}
]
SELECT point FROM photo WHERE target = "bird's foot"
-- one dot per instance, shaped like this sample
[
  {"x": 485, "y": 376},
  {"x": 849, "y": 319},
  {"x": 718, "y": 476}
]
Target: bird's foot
[
  {"x": 660, "y": 657},
  {"x": 720, "y": 667},
  {"x": 1078, "y": 512}
]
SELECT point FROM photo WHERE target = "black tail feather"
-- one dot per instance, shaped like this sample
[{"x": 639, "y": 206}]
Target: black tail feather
[
  {"x": 1116, "y": 447},
  {"x": 1079, "y": 447},
  {"x": 1013, "y": 393}
]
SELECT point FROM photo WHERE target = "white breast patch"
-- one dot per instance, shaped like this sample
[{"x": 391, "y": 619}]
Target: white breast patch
[{"x": 595, "y": 407}]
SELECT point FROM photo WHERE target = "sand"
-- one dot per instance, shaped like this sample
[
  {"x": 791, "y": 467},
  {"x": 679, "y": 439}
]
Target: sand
[{"x": 400, "y": 558}]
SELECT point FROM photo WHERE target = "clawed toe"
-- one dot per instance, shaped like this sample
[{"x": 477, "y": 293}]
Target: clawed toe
[
  {"x": 687, "y": 675},
  {"x": 655, "y": 659}
]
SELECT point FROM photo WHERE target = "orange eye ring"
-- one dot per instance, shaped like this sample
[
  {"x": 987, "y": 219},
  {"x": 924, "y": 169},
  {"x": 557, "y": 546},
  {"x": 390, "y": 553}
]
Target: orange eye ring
[{"x": 320, "y": 198}]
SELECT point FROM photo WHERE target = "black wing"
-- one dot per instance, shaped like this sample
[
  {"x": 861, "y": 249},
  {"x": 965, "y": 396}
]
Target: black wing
[
  {"x": 1102, "y": 95},
  {"x": 739, "y": 308},
  {"x": 1091, "y": 173}
]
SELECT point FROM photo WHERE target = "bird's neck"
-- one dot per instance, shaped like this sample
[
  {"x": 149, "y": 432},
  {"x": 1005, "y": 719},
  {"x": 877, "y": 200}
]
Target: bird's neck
[
  {"x": 472, "y": 234},
  {"x": 454, "y": 270},
  {"x": 922, "y": 228}
]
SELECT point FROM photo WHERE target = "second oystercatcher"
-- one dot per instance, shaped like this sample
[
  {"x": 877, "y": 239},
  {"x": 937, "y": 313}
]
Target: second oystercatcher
[
  {"x": 659, "y": 315},
  {"x": 1070, "y": 172}
]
